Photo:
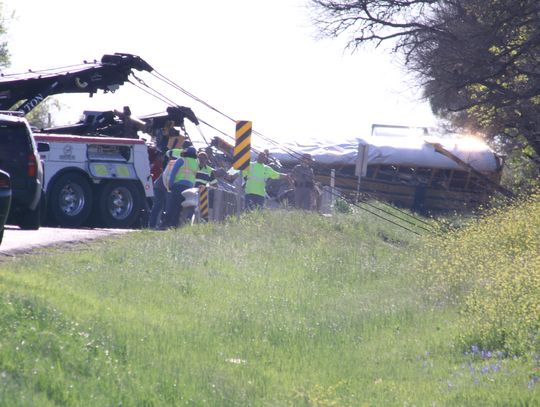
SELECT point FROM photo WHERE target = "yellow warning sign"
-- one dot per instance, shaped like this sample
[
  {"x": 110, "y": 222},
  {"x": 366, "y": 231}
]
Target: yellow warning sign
[
  {"x": 203, "y": 202},
  {"x": 242, "y": 148}
]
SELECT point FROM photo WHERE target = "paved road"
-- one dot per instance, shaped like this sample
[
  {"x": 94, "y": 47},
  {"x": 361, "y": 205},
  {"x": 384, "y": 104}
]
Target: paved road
[{"x": 18, "y": 241}]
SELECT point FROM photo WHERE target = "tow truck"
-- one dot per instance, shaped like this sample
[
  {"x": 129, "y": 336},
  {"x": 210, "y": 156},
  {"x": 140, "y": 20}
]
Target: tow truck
[{"x": 98, "y": 171}]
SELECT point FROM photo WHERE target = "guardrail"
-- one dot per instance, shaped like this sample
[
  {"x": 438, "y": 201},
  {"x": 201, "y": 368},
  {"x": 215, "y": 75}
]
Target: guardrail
[{"x": 226, "y": 200}]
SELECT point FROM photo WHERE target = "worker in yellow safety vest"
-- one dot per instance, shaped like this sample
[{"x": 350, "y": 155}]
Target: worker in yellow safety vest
[
  {"x": 177, "y": 179},
  {"x": 206, "y": 176},
  {"x": 157, "y": 219},
  {"x": 256, "y": 176}
]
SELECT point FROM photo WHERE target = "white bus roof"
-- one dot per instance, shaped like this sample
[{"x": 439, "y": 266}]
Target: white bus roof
[{"x": 403, "y": 150}]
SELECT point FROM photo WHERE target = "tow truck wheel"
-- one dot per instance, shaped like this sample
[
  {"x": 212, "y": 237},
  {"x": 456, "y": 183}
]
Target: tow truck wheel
[
  {"x": 70, "y": 201},
  {"x": 120, "y": 204}
]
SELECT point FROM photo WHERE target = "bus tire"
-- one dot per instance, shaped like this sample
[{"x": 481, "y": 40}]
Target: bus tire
[
  {"x": 70, "y": 200},
  {"x": 120, "y": 204}
]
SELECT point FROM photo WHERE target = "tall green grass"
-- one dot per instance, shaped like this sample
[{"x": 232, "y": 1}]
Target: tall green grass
[{"x": 279, "y": 308}]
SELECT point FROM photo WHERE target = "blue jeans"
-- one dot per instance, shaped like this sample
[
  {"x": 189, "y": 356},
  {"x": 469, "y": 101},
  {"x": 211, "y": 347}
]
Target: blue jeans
[
  {"x": 158, "y": 204},
  {"x": 254, "y": 201},
  {"x": 173, "y": 205}
]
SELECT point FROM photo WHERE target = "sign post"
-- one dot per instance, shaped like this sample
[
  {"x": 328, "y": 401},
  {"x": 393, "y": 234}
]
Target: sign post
[
  {"x": 203, "y": 202},
  {"x": 242, "y": 147},
  {"x": 361, "y": 166},
  {"x": 242, "y": 154}
]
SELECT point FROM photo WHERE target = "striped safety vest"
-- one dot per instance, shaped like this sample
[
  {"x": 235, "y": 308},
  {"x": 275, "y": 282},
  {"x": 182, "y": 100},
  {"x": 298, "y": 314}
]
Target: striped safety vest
[
  {"x": 204, "y": 176},
  {"x": 188, "y": 170}
]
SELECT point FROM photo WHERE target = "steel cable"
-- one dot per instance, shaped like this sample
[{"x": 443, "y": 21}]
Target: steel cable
[{"x": 297, "y": 155}]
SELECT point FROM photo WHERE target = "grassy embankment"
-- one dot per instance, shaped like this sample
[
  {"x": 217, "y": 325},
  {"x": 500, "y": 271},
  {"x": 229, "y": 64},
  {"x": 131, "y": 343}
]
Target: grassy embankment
[{"x": 280, "y": 308}]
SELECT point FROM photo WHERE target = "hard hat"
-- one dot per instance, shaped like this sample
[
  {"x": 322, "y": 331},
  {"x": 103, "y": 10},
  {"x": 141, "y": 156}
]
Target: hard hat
[
  {"x": 190, "y": 152},
  {"x": 187, "y": 144}
]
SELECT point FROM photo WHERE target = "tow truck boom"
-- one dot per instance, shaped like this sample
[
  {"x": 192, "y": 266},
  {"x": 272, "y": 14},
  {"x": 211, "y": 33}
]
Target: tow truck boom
[{"x": 31, "y": 88}]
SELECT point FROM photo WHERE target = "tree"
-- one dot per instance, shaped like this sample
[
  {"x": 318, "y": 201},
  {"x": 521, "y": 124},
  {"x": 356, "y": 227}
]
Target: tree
[
  {"x": 41, "y": 117},
  {"x": 4, "y": 53},
  {"x": 478, "y": 61}
]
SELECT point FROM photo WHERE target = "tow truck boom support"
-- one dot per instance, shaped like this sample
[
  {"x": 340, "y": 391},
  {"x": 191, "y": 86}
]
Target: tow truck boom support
[{"x": 32, "y": 88}]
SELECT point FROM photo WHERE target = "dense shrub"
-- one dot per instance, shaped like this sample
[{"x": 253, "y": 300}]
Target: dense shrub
[{"x": 491, "y": 270}]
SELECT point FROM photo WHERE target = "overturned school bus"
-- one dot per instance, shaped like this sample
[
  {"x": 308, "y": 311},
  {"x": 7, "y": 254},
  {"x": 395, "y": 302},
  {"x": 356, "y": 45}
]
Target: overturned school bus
[{"x": 408, "y": 167}]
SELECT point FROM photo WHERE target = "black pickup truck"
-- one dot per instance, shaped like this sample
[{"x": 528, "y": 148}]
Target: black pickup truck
[{"x": 19, "y": 157}]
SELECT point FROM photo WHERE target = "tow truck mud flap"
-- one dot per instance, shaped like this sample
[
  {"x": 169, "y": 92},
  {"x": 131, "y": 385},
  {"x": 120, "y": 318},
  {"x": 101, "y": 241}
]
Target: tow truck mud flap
[{"x": 112, "y": 170}]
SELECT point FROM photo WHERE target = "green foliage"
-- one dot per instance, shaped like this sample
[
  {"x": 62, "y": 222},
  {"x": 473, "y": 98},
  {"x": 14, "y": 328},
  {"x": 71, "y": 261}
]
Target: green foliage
[
  {"x": 342, "y": 206},
  {"x": 4, "y": 52},
  {"x": 230, "y": 314},
  {"x": 277, "y": 308},
  {"x": 520, "y": 173},
  {"x": 40, "y": 117},
  {"x": 482, "y": 73},
  {"x": 491, "y": 270}
]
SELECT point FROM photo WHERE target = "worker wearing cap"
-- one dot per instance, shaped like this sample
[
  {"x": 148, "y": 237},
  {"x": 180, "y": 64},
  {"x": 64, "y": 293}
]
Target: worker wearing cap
[
  {"x": 205, "y": 174},
  {"x": 256, "y": 176},
  {"x": 304, "y": 183},
  {"x": 181, "y": 177}
]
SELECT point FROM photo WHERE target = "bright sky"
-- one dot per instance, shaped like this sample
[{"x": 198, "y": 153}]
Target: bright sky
[{"x": 252, "y": 59}]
